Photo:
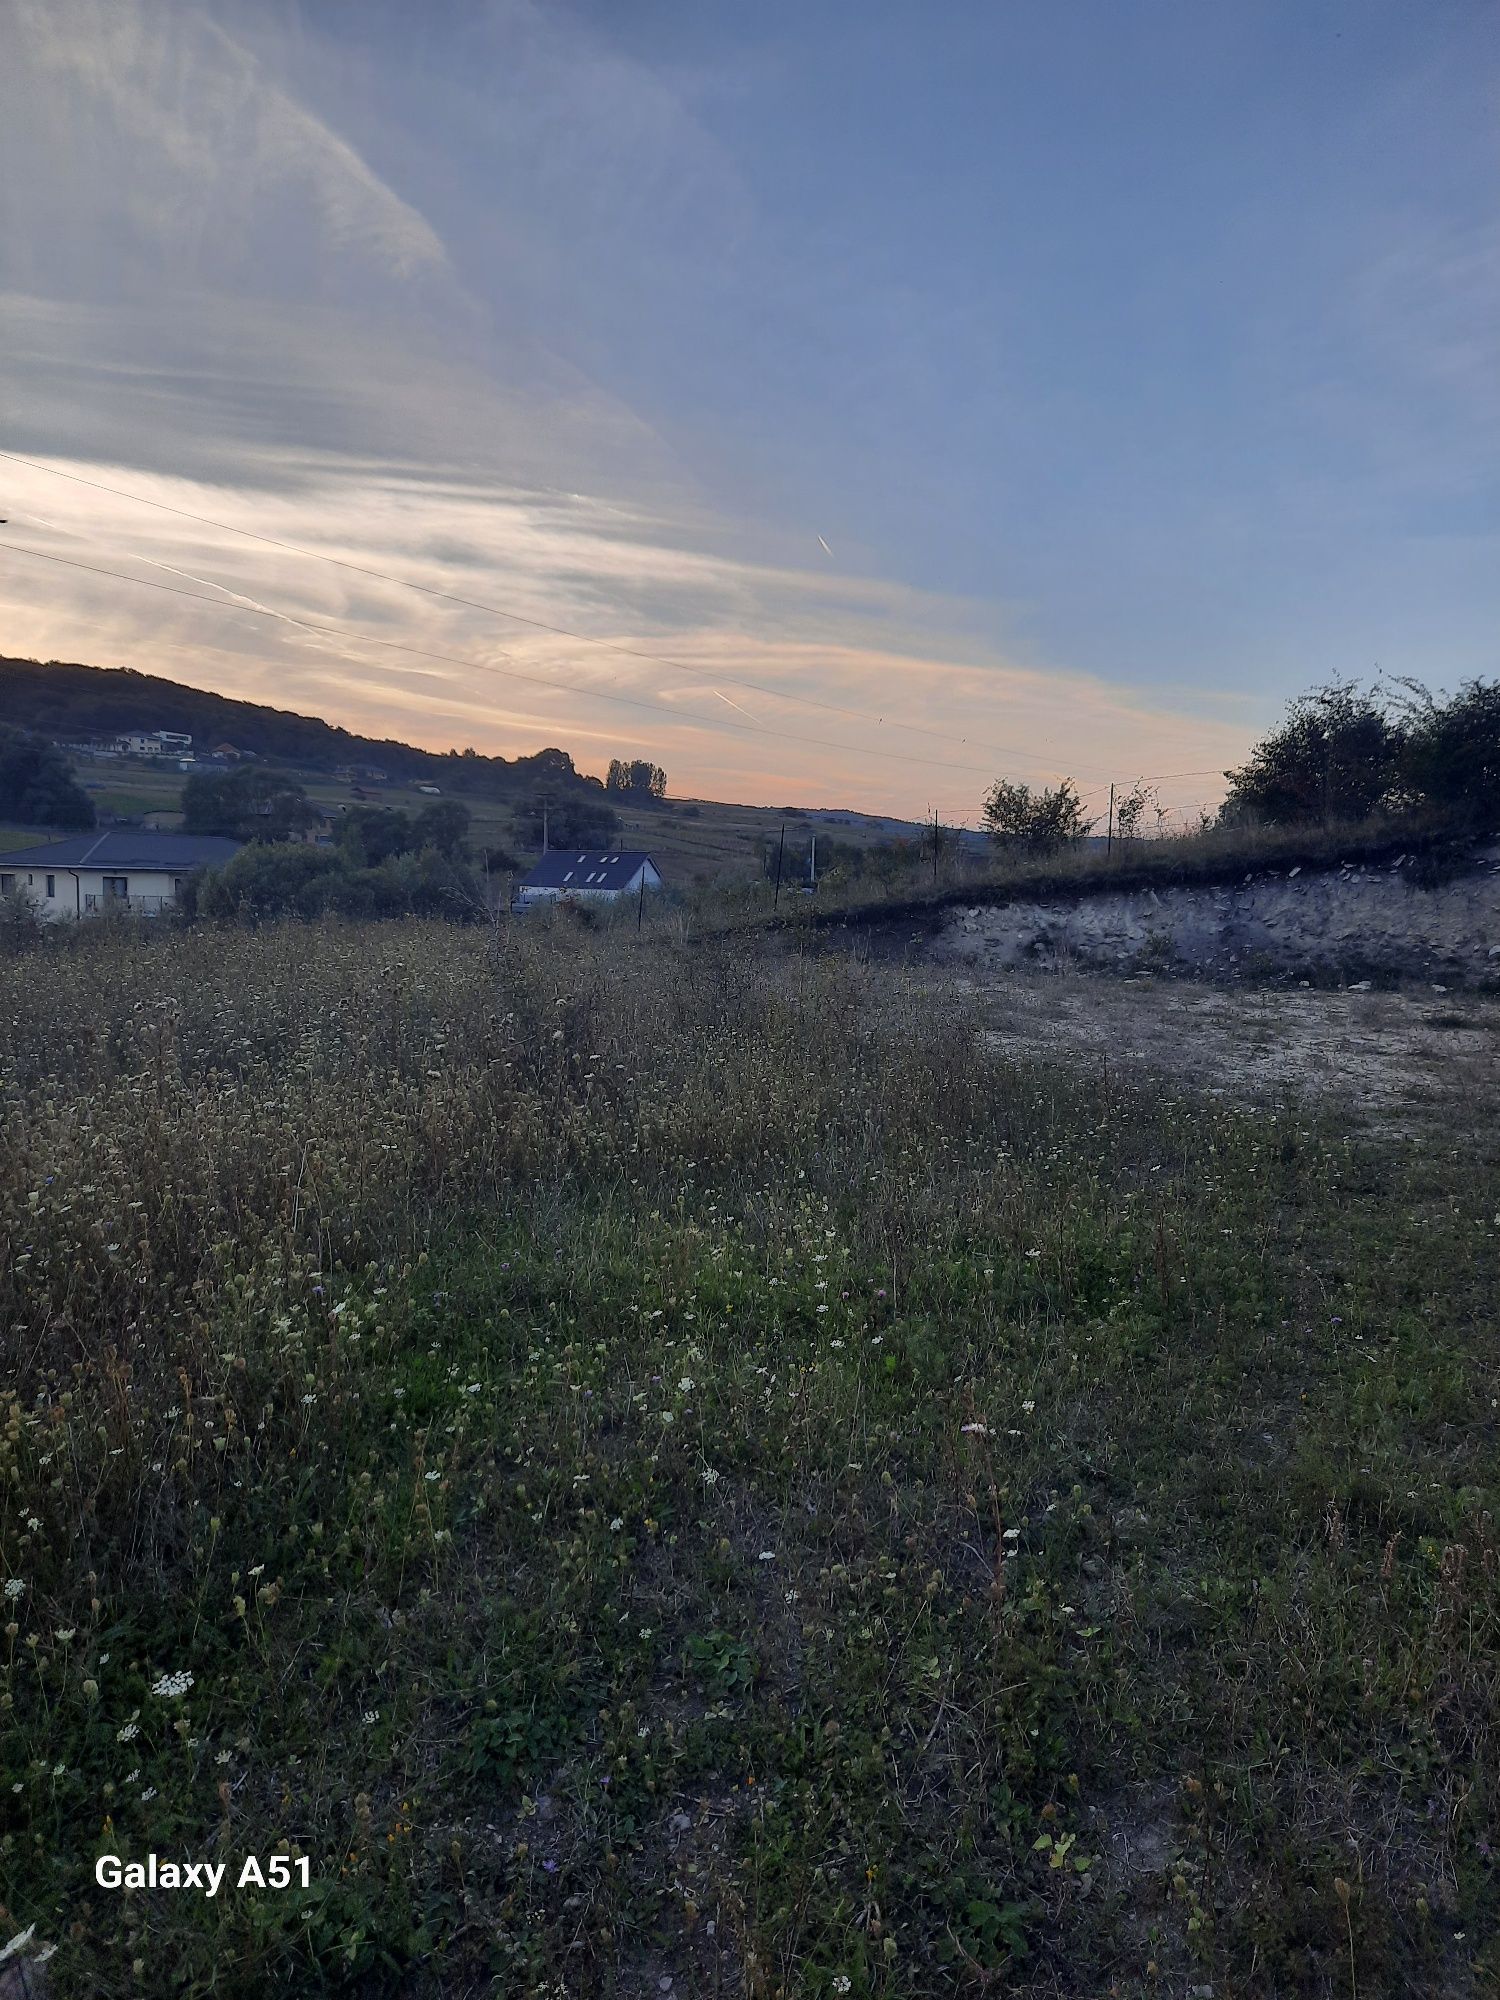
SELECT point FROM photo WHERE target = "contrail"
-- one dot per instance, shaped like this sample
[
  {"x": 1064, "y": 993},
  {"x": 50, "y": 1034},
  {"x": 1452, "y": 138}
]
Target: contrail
[
  {"x": 824, "y": 546},
  {"x": 733, "y": 704}
]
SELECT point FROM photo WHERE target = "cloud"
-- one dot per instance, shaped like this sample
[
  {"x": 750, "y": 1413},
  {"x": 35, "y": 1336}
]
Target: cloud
[
  {"x": 183, "y": 132},
  {"x": 216, "y": 301},
  {"x": 893, "y": 719}
]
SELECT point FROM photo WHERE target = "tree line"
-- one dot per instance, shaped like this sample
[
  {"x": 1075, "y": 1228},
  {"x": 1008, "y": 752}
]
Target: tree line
[{"x": 1342, "y": 752}]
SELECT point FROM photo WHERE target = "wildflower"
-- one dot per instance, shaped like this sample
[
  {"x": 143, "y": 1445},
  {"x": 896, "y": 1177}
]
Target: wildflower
[
  {"x": 766, "y": 1556},
  {"x": 171, "y": 1686},
  {"x": 429, "y": 1477},
  {"x": 148, "y": 1794},
  {"x": 1029, "y": 1405},
  {"x": 129, "y": 1732},
  {"x": 616, "y": 1525},
  {"x": 686, "y": 1384},
  {"x": 65, "y": 1633},
  {"x": 14, "y": 1587},
  {"x": 841, "y": 1984},
  {"x": 371, "y": 1715},
  {"x": 975, "y": 1430}
]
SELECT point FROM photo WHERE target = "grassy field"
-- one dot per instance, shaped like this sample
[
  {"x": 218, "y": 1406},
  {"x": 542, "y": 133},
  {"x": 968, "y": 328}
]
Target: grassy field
[{"x": 678, "y": 1470}]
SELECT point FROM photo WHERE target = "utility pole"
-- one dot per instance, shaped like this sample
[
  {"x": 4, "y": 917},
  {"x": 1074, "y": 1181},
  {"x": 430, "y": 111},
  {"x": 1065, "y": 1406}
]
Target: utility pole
[
  {"x": 640, "y": 908},
  {"x": 812, "y": 866},
  {"x": 780, "y": 857},
  {"x": 1109, "y": 838},
  {"x": 934, "y": 844},
  {"x": 544, "y": 826}
]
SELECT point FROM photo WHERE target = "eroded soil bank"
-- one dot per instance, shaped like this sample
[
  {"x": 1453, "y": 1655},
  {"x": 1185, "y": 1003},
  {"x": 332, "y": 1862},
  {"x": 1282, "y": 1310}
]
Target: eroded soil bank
[{"x": 1387, "y": 923}]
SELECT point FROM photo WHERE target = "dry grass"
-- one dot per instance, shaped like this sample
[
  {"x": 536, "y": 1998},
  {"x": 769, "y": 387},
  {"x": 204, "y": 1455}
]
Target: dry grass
[{"x": 676, "y": 1463}]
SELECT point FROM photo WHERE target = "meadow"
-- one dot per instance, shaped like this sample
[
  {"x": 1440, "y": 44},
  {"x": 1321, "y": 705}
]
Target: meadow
[{"x": 668, "y": 1466}]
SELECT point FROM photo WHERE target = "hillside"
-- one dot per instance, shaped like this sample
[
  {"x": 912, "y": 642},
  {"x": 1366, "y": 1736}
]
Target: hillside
[
  {"x": 75, "y": 703},
  {"x": 693, "y": 840}
]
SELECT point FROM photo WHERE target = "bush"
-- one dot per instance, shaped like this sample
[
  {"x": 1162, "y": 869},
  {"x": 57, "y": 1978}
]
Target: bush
[
  {"x": 279, "y": 879},
  {"x": 1336, "y": 756},
  {"x": 1451, "y": 757},
  {"x": 1016, "y": 816}
]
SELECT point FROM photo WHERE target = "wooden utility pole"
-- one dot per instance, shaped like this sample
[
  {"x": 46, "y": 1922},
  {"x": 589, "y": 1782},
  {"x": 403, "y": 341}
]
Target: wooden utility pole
[
  {"x": 1109, "y": 838},
  {"x": 640, "y": 908},
  {"x": 780, "y": 857}
]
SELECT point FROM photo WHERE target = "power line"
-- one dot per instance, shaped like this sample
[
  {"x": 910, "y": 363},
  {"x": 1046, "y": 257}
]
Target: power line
[
  {"x": 498, "y": 610},
  {"x": 484, "y": 667}
]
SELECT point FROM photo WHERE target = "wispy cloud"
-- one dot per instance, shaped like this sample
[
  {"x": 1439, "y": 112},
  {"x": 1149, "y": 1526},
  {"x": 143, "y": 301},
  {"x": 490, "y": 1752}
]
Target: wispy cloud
[{"x": 217, "y": 301}]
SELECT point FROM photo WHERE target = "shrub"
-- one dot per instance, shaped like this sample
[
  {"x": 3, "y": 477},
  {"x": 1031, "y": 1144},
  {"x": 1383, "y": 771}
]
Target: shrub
[
  {"x": 1044, "y": 820},
  {"x": 1336, "y": 756}
]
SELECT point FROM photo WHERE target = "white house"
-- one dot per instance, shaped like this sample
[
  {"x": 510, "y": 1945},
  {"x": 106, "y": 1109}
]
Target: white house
[
  {"x": 563, "y": 876},
  {"x": 155, "y": 743},
  {"x": 121, "y": 868}
]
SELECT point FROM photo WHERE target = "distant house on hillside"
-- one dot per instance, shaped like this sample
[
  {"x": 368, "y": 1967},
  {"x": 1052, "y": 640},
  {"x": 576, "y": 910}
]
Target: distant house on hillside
[
  {"x": 565, "y": 876},
  {"x": 124, "y": 868},
  {"x": 155, "y": 743}
]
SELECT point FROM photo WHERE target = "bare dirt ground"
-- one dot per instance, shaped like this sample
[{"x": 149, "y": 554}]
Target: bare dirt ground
[{"x": 1400, "y": 1061}]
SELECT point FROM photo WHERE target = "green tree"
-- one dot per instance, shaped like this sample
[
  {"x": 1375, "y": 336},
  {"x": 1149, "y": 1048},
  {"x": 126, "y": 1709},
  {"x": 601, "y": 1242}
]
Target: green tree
[
  {"x": 368, "y": 835},
  {"x": 1014, "y": 815},
  {"x": 1336, "y": 755},
  {"x": 570, "y": 822},
  {"x": 37, "y": 786},
  {"x": 247, "y": 803},
  {"x": 443, "y": 826},
  {"x": 636, "y": 776}
]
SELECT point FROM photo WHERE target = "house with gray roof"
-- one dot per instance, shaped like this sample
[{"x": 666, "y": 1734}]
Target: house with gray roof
[
  {"x": 133, "y": 869},
  {"x": 565, "y": 875}
]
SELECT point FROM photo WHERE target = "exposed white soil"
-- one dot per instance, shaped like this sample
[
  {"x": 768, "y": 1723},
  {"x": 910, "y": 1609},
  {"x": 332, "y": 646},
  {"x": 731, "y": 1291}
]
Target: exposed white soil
[
  {"x": 1333, "y": 926},
  {"x": 1404, "y": 1061}
]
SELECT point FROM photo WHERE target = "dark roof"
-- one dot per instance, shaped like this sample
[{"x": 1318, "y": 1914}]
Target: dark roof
[
  {"x": 127, "y": 847},
  {"x": 566, "y": 868}
]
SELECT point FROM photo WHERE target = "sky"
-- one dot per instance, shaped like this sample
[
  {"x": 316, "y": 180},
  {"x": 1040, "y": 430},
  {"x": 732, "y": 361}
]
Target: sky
[{"x": 880, "y": 398}]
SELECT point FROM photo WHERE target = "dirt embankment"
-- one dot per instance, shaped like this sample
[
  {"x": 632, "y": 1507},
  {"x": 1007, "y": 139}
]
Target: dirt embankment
[{"x": 1384, "y": 922}]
